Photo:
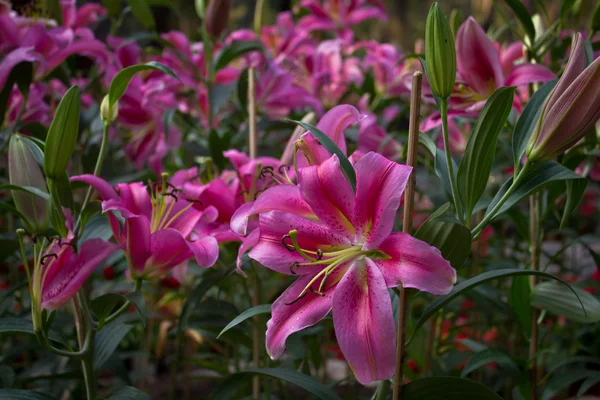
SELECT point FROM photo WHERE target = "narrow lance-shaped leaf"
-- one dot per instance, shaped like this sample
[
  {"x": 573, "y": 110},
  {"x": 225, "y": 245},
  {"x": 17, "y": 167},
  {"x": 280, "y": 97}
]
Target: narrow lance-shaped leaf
[
  {"x": 535, "y": 178},
  {"x": 523, "y": 16},
  {"x": 528, "y": 121},
  {"x": 332, "y": 148},
  {"x": 475, "y": 167},
  {"x": 141, "y": 10},
  {"x": 62, "y": 135},
  {"x": 558, "y": 300},
  {"x": 464, "y": 286},
  {"x": 121, "y": 80},
  {"x": 261, "y": 309},
  {"x": 447, "y": 388},
  {"x": 234, "y": 50},
  {"x": 575, "y": 190}
]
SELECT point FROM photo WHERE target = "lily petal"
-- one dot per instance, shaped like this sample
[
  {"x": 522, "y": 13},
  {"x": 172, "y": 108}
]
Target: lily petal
[
  {"x": 477, "y": 60},
  {"x": 379, "y": 187},
  {"x": 249, "y": 242},
  {"x": 528, "y": 73},
  {"x": 104, "y": 189},
  {"x": 415, "y": 264},
  {"x": 69, "y": 279},
  {"x": 364, "y": 323},
  {"x": 271, "y": 252},
  {"x": 329, "y": 194},
  {"x": 206, "y": 251},
  {"x": 281, "y": 197},
  {"x": 168, "y": 249},
  {"x": 289, "y": 318},
  {"x": 137, "y": 245}
]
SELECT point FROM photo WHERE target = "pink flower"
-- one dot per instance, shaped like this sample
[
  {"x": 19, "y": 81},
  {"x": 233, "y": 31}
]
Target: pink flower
[
  {"x": 372, "y": 137},
  {"x": 483, "y": 69},
  {"x": 339, "y": 15},
  {"x": 48, "y": 46},
  {"x": 341, "y": 245},
  {"x": 157, "y": 233}
]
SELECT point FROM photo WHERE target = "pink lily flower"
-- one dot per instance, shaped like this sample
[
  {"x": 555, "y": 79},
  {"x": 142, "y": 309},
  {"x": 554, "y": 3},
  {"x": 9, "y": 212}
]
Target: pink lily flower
[
  {"x": 48, "y": 46},
  {"x": 372, "y": 137},
  {"x": 60, "y": 271},
  {"x": 158, "y": 231},
  {"x": 339, "y": 15},
  {"x": 483, "y": 69},
  {"x": 341, "y": 245}
]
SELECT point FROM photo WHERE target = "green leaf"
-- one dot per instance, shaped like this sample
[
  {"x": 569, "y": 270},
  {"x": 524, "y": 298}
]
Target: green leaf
[
  {"x": 486, "y": 356},
  {"x": 19, "y": 394},
  {"x": 520, "y": 299},
  {"x": 560, "y": 382},
  {"x": 448, "y": 234},
  {"x": 7, "y": 376},
  {"x": 523, "y": 16},
  {"x": 595, "y": 22},
  {"x": 447, "y": 388},
  {"x": 113, "y": 7},
  {"x": 142, "y": 12},
  {"x": 121, "y": 80},
  {"x": 441, "y": 168},
  {"x": 528, "y": 121},
  {"x": 28, "y": 189},
  {"x": 107, "y": 341},
  {"x": 198, "y": 293},
  {"x": 128, "y": 393},
  {"x": 229, "y": 387},
  {"x": 217, "y": 145},
  {"x": 220, "y": 95},
  {"x": 575, "y": 190},
  {"x": 536, "y": 178},
  {"x": 62, "y": 135},
  {"x": 559, "y": 301},
  {"x": 234, "y": 50},
  {"x": 475, "y": 167},
  {"x": 588, "y": 384},
  {"x": 332, "y": 148},
  {"x": 104, "y": 305},
  {"x": 468, "y": 284},
  {"x": 13, "y": 325},
  {"x": 261, "y": 309}
]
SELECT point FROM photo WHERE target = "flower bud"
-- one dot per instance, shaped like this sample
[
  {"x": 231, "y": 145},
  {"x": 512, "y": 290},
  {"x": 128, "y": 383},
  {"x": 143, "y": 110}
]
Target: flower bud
[
  {"x": 217, "y": 16},
  {"x": 62, "y": 135},
  {"x": 23, "y": 170},
  {"x": 571, "y": 109},
  {"x": 114, "y": 112},
  {"x": 440, "y": 54}
]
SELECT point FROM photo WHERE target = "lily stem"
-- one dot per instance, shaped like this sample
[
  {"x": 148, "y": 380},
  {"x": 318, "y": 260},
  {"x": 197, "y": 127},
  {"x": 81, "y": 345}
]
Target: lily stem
[
  {"x": 534, "y": 233},
  {"x": 411, "y": 160},
  {"x": 476, "y": 232},
  {"x": 449, "y": 164},
  {"x": 97, "y": 168}
]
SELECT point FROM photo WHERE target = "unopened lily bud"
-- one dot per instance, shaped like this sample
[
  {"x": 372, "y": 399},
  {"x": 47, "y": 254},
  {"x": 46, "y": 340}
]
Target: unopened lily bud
[
  {"x": 456, "y": 21},
  {"x": 440, "y": 54},
  {"x": 23, "y": 170},
  {"x": 571, "y": 109},
  {"x": 104, "y": 111},
  {"x": 217, "y": 16}
]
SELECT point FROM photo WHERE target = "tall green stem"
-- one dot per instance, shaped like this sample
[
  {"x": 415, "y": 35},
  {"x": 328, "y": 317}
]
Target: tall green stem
[
  {"x": 534, "y": 237},
  {"x": 449, "y": 165},
  {"x": 97, "y": 169},
  {"x": 86, "y": 335},
  {"x": 476, "y": 232}
]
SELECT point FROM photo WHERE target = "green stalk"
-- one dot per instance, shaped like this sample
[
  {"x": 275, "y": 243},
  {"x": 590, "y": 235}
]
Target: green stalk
[
  {"x": 476, "y": 232},
  {"x": 534, "y": 233},
  {"x": 97, "y": 168},
  {"x": 453, "y": 184}
]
